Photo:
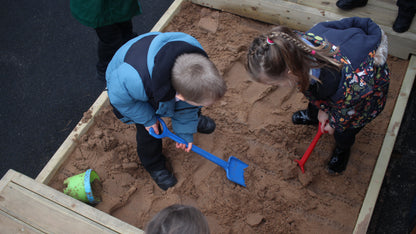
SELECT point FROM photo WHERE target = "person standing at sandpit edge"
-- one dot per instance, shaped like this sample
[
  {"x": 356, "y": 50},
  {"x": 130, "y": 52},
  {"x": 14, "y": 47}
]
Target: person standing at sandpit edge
[
  {"x": 112, "y": 23},
  {"x": 340, "y": 66},
  {"x": 166, "y": 75},
  {"x": 178, "y": 219},
  {"x": 405, "y": 15}
]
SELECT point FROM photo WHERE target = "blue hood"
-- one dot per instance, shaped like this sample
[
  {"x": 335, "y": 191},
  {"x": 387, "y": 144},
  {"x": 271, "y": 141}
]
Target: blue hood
[{"x": 359, "y": 36}]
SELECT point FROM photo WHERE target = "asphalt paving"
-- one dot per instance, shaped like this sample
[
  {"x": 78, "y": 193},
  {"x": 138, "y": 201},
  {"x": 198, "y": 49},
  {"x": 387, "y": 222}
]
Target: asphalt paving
[{"x": 47, "y": 68}]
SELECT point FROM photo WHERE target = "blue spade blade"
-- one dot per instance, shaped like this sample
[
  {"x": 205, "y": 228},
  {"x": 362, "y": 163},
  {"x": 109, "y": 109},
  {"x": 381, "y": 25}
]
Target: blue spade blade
[{"x": 234, "y": 167}]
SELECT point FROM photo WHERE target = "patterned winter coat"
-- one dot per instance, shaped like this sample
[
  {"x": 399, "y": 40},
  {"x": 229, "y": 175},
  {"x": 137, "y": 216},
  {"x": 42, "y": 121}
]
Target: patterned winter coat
[{"x": 358, "y": 92}]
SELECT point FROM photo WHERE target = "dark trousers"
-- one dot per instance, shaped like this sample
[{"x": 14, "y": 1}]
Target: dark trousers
[
  {"x": 345, "y": 139},
  {"x": 149, "y": 150},
  {"x": 407, "y": 7},
  {"x": 110, "y": 39}
]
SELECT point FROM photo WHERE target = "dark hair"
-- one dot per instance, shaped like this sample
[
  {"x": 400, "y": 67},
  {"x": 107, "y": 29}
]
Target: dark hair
[
  {"x": 282, "y": 50},
  {"x": 178, "y": 219}
]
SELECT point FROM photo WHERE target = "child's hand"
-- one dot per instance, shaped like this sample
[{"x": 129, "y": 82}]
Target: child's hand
[
  {"x": 155, "y": 127},
  {"x": 183, "y": 146},
  {"x": 328, "y": 129},
  {"x": 323, "y": 117}
]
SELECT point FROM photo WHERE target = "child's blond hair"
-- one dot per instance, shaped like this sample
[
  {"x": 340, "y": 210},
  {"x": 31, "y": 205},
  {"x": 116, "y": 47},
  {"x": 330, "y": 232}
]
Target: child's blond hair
[{"x": 197, "y": 79}]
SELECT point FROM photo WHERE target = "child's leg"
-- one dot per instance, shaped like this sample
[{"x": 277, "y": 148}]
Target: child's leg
[
  {"x": 306, "y": 117},
  {"x": 346, "y": 138},
  {"x": 126, "y": 28},
  {"x": 149, "y": 150},
  {"x": 205, "y": 124},
  {"x": 405, "y": 15},
  {"x": 341, "y": 154},
  {"x": 110, "y": 40}
]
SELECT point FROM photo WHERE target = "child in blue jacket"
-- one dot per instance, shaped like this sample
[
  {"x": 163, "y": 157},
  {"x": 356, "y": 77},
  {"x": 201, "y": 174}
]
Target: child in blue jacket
[
  {"x": 340, "y": 66},
  {"x": 166, "y": 75}
]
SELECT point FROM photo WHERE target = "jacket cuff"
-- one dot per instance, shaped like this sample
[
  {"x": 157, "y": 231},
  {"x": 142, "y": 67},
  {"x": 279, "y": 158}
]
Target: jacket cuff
[
  {"x": 150, "y": 122},
  {"x": 187, "y": 137}
]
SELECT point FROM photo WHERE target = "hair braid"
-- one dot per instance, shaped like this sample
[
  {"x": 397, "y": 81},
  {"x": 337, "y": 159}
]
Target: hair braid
[
  {"x": 295, "y": 40},
  {"x": 283, "y": 50}
]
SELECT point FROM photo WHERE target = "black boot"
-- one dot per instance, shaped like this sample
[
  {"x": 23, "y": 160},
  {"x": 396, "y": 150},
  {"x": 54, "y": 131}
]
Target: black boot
[
  {"x": 163, "y": 178},
  {"x": 403, "y": 21},
  {"x": 302, "y": 117},
  {"x": 339, "y": 160},
  {"x": 350, "y": 4},
  {"x": 205, "y": 124}
]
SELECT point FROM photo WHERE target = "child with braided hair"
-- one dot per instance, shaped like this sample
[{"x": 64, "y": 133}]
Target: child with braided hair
[{"x": 340, "y": 66}]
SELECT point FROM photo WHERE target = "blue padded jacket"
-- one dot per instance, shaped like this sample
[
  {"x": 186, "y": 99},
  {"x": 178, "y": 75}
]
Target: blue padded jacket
[{"x": 139, "y": 81}]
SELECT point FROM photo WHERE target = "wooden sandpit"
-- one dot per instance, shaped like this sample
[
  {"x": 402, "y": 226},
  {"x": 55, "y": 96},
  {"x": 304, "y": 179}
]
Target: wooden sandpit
[{"x": 254, "y": 125}]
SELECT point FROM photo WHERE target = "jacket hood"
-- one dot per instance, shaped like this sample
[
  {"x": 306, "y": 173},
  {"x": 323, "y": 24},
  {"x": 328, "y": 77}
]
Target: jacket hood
[{"x": 356, "y": 37}]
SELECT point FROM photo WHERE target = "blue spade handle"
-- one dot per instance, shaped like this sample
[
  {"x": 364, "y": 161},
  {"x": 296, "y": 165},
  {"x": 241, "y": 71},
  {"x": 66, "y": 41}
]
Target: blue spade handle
[{"x": 196, "y": 149}]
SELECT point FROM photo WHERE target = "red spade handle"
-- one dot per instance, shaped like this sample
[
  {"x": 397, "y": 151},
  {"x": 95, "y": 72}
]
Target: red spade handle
[{"x": 308, "y": 152}]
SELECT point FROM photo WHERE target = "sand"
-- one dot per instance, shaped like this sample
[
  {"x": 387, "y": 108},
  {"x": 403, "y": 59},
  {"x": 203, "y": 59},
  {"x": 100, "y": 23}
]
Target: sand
[{"x": 254, "y": 125}]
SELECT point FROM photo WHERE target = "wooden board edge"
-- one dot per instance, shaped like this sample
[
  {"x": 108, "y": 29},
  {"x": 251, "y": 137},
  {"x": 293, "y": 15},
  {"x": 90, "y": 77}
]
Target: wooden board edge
[
  {"x": 367, "y": 208},
  {"x": 22, "y": 226},
  {"x": 10, "y": 174},
  {"x": 290, "y": 14},
  {"x": 69, "y": 203},
  {"x": 167, "y": 16},
  {"x": 71, "y": 141}
]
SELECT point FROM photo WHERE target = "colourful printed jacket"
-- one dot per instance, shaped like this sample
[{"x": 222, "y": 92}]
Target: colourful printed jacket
[
  {"x": 364, "y": 82},
  {"x": 139, "y": 81}
]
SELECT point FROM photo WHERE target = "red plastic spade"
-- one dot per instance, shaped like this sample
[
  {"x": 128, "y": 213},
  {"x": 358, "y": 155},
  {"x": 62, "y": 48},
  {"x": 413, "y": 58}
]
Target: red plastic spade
[{"x": 308, "y": 152}]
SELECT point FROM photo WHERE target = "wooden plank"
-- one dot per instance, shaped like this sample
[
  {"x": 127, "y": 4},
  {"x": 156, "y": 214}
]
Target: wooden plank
[
  {"x": 374, "y": 4},
  {"x": 401, "y": 45},
  {"x": 71, "y": 141},
  {"x": 9, "y": 224},
  {"x": 74, "y": 205},
  {"x": 382, "y": 12},
  {"x": 293, "y": 15},
  {"x": 167, "y": 16},
  {"x": 303, "y": 17},
  {"x": 44, "y": 214},
  {"x": 7, "y": 177},
  {"x": 376, "y": 181}
]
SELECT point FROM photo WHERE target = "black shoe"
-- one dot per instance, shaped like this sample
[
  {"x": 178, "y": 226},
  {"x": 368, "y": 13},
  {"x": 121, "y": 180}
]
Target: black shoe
[
  {"x": 163, "y": 178},
  {"x": 339, "y": 160},
  {"x": 402, "y": 22},
  {"x": 350, "y": 4},
  {"x": 205, "y": 124},
  {"x": 302, "y": 117}
]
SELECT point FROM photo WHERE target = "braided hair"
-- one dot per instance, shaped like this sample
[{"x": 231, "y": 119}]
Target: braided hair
[{"x": 282, "y": 50}]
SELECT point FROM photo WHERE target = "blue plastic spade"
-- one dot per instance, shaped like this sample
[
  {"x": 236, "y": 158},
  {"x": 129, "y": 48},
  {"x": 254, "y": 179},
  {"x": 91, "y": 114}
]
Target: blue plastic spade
[{"x": 234, "y": 167}]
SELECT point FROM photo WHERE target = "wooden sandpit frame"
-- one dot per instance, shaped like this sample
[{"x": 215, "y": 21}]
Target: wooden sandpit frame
[{"x": 299, "y": 17}]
